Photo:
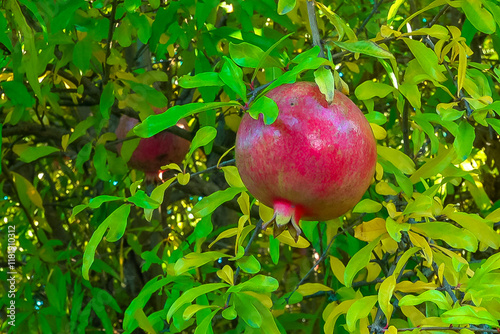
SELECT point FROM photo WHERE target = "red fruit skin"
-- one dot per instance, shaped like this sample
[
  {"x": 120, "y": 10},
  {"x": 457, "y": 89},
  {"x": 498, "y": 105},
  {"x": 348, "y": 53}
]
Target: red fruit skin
[
  {"x": 319, "y": 157},
  {"x": 156, "y": 151}
]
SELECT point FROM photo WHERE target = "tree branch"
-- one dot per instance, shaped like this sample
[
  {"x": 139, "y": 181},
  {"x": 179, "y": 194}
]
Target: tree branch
[{"x": 311, "y": 12}]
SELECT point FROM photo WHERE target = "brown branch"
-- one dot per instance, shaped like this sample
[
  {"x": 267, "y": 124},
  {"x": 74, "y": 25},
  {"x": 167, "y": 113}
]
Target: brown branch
[{"x": 376, "y": 5}]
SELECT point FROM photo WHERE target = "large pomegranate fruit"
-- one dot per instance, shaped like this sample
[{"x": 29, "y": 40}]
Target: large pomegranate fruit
[
  {"x": 156, "y": 151},
  {"x": 314, "y": 162}
]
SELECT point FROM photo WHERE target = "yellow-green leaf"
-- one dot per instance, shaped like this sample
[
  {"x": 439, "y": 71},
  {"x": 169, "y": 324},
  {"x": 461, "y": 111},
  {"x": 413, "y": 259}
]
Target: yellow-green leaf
[
  {"x": 360, "y": 309},
  {"x": 437, "y": 297},
  {"x": 397, "y": 158},
  {"x": 469, "y": 315},
  {"x": 359, "y": 261},
  {"x": 308, "y": 289},
  {"x": 385, "y": 292},
  {"x": 195, "y": 260},
  {"x": 367, "y": 206},
  {"x": 324, "y": 79}
]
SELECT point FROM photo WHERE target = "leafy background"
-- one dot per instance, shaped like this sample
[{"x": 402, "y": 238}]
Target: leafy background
[{"x": 99, "y": 249}]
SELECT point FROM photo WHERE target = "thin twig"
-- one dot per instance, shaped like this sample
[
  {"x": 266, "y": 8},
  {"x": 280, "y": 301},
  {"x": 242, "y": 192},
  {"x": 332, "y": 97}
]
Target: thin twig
[
  {"x": 323, "y": 256},
  {"x": 311, "y": 12},
  {"x": 209, "y": 169},
  {"x": 376, "y": 5}
]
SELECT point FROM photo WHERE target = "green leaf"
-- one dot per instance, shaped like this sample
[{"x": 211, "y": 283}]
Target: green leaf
[
  {"x": 427, "y": 59},
  {"x": 156, "y": 123},
  {"x": 464, "y": 140},
  {"x": 264, "y": 57},
  {"x": 478, "y": 226},
  {"x": 100, "y": 158},
  {"x": 83, "y": 156},
  {"x": 324, "y": 79},
  {"x": 480, "y": 18},
  {"x": 143, "y": 201},
  {"x": 208, "y": 204},
  {"x": 268, "y": 320},
  {"x": 96, "y": 202},
  {"x": 360, "y": 309},
  {"x": 265, "y": 106},
  {"x": 249, "y": 55},
  {"x": 397, "y": 158},
  {"x": 203, "y": 137},
  {"x": 115, "y": 221},
  {"x": 433, "y": 296},
  {"x": 205, "y": 326},
  {"x": 393, "y": 10},
  {"x": 32, "y": 153},
  {"x": 249, "y": 264},
  {"x": 151, "y": 95},
  {"x": 193, "y": 309},
  {"x": 206, "y": 79},
  {"x": 229, "y": 313},
  {"x": 246, "y": 310},
  {"x": 285, "y": 6},
  {"x": 469, "y": 315},
  {"x": 258, "y": 283},
  {"x": 495, "y": 124},
  {"x": 191, "y": 294},
  {"x": 194, "y": 260},
  {"x": 82, "y": 54},
  {"x": 28, "y": 194},
  {"x": 359, "y": 261},
  {"x": 18, "y": 93},
  {"x": 455, "y": 237},
  {"x": 107, "y": 99},
  {"x": 394, "y": 228},
  {"x": 367, "y": 206},
  {"x": 366, "y": 47},
  {"x": 232, "y": 75},
  {"x": 385, "y": 293},
  {"x": 369, "y": 89}
]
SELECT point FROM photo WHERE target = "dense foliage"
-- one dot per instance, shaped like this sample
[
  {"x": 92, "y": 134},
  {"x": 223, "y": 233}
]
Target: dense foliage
[{"x": 95, "y": 247}]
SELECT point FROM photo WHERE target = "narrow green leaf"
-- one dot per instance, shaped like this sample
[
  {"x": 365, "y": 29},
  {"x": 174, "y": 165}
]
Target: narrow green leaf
[
  {"x": 206, "y": 79},
  {"x": 149, "y": 94},
  {"x": 478, "y": 226},
  {"x": 203, "y": 137},
  {"x": 205, "y": 326},
  {"x": 246, "y": 310},
  {"x": 120, "y": 215},
  {"x": 96, "y": 202},
  {"x": 107, "y": 99},
  {"x": 191, "y": 294},
  {"x": 264, "y": 57},
  {"x": 195, "y": 260},
  {"x": 143, "y": 201},
  {"x": 156, "y": 123},
  {"x": 118, "y": 224},
  {"x": 360, "y": 309},
  {"x": 232, "y": 75},
  {"x": 82, "y": 54},
  {"x": 32, "y": 153},
  {"x": 83, "y": 156},
  {"x": 18, "y": 93},
  {"x": 495, "y": 124},
  {"x": 365, "y": 47},
  {"x": 427, "y": 59},
  {"x": 433, "y": 296},
  {"x": 208, "y": 204},
  {"x": 359, "y": 261},
  {"x": 265, "y": 106},
  {"x": 464, "y": 140},
  {"x": 469, "y": 315},
  {"x": 258, "y": 283}
]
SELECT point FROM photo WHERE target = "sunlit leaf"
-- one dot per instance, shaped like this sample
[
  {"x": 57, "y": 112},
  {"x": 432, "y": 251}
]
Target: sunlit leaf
[
  {"x": 366, "y": 47},
  {"x": 361, "y": 308},
  {"x": 359, "y": 261},
  {"x": 324, "y": 79},
  {"x": 194, "y": 260},
  {"x": 191, "y": 294},
  {"x": 285, "y": 6},
  {"x": 265, "y": 106},
  {"x": 434, "y": 296}
]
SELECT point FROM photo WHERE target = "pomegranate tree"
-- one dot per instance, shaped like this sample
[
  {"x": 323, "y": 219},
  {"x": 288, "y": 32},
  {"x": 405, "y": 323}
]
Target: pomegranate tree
[
  {"x": 314, "y": 162},
  {"x": 156, "y": 151}
]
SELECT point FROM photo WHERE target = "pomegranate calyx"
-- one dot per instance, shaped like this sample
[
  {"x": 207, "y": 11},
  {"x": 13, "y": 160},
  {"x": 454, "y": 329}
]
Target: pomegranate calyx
[{"x": 286, "y": 217}]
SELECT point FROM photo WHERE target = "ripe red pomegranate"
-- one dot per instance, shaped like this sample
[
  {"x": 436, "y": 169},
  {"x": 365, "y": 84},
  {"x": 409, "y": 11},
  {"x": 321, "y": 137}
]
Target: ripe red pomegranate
[
  {"x": 156, "y": 151},
  {"x": 314, "y": 162}
]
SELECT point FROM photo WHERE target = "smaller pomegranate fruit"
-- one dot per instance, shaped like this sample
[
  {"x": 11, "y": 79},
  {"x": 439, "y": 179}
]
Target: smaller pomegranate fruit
[
  {"x": 156, "y": 151},
  {"x": 314, "y": 162}
]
